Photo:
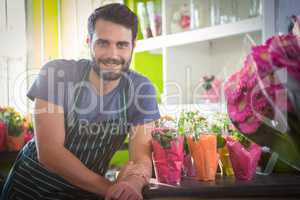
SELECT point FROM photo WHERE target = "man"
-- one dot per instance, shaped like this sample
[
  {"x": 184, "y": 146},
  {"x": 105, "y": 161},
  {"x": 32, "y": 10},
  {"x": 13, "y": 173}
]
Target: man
[{"x": 82, "y": 113}]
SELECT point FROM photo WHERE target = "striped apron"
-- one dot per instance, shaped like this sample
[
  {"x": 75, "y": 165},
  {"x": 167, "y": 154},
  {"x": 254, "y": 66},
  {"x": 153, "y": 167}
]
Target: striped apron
[{"x": 28, "y": 179}]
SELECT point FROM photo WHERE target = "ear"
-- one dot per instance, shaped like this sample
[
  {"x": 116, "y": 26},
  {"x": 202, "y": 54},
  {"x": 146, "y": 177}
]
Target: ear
[{"x": 88, "y": 40}]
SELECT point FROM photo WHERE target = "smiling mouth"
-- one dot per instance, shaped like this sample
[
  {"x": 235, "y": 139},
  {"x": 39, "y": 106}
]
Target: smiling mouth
[{"x": 110, "y": 67}]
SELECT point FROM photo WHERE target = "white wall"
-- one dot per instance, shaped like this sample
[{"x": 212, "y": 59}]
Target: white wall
[
  {"x": 74, "y": 17},
  {"x": 13, "y": 53},
  {"x": 186, "y": 65}
]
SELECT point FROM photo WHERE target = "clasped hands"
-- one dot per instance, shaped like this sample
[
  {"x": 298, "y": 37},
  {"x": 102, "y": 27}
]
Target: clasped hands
[{"x": 129, "y": 184}]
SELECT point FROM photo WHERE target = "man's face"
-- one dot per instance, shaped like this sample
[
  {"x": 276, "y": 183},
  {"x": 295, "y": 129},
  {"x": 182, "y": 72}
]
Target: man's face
[{"x": 111, "y": 49}]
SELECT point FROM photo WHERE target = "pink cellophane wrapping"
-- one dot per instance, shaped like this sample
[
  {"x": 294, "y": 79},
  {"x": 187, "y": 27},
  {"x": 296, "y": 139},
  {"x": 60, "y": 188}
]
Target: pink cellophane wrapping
[
  {"x": 244, "y": 161},
  {"x": 168, "y": 162}
]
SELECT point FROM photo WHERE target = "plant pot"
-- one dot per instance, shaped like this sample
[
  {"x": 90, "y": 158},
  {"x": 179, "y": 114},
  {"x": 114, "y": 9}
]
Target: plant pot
[
  {"x": 15, "y": 143},
  {"x": 244, "y": 160},
  {"x": 168, "y": 162},
  {"x": 204, "y": 153}
]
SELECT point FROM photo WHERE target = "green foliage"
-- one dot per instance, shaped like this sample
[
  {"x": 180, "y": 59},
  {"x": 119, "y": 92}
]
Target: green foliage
[
  {"x": 192, "y": 123},
  {"x": 164, "y": 136},
  {"x": 13, "y": 120},
  {"x": 242, "y": 139}
]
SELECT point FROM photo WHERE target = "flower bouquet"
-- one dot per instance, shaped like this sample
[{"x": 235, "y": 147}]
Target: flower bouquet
[
  {"x": 263, "y": 98},
  {"x": 167, "y": 147},
  {"x": 202, "y": 145},
  {"x": 15, "y": 129}
]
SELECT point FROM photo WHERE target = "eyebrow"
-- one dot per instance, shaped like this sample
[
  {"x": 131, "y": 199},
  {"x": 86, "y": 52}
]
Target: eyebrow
[
  {"x": 107, "y": 41},
  {"x": 101, "y": 40}
]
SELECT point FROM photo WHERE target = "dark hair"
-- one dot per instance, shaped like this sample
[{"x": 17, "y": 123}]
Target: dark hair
[{"x": 116, "y": 13}]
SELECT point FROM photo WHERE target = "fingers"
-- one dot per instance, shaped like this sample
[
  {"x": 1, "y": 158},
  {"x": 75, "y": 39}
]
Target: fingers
[
  {"x": 122, "y": 191},
  {"x": 117, "y": 194},
  {"x": 114, "y": 192}
]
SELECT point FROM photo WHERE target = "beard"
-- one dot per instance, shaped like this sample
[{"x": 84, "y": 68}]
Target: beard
[{"x": 110, "y": 75}]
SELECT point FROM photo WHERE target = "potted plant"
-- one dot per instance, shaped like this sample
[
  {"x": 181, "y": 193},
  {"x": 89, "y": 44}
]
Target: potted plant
[
  {"x": 202, "y": 144},
  {"x": 167, "y": 147},
  {"x": 244, "y": 156},
  {"x": 15, "y": 129}
]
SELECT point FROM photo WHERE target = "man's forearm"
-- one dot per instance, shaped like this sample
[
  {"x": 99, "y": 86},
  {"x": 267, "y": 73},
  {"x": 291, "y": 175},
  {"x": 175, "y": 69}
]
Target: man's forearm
[{"x": 65, "y": 164}]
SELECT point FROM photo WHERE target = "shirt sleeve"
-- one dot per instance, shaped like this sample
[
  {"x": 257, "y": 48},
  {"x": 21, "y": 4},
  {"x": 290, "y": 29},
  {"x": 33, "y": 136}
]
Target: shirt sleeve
[
  {"x": 49, "y": 84},
  {"x": 144, "y": 104}
]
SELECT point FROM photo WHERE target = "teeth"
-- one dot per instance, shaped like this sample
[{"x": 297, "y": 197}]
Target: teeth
[{"x": 112, "y": 66}]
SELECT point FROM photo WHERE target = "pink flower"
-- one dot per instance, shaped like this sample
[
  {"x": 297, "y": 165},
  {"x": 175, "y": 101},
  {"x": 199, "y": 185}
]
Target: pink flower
[
  {"x": 285, "y": 51},
  {"x": 250, "y": 125},
  {"x": 233, "y": 88},
  {"x": 262, "y": 60},
  {"x": 239, "y": 112},
  {"x": 245, "y": 90}
]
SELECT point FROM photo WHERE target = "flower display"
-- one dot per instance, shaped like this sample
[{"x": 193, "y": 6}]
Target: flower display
[
  {"x": 15, "y": 130},
  {"x": 262, "y": 96},
  {"x": 13, "y": 120}
]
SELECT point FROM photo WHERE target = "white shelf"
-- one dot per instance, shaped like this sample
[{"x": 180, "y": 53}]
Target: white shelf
[
  {"x": 206, "y": 109},
  {"x": 200, "y": 35}
]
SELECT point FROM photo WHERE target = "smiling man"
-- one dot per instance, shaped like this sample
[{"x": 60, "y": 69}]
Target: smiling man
[{"x": 83, "y": 111}]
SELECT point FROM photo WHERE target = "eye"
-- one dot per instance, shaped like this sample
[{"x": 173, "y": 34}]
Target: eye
[
  {"x": 122, "y": 45},
  {"x": 101, "y": 43}
]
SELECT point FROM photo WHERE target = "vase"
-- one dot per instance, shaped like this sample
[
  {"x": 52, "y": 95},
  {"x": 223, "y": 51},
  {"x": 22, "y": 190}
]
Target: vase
[
  {"x": 168, "y": 162},
  {"x": 204, "y": 153}
]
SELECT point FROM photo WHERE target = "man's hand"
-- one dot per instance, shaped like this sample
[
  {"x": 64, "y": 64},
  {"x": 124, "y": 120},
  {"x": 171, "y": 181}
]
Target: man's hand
[
  {"x": 123, "y": 190},
  {"x": 134, "y": 169}
]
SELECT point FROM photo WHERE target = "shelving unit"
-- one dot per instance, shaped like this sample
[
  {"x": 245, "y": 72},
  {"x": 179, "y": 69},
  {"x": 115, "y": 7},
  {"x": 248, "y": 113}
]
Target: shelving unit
[
  {"x": 200, "y": 35},
  {"x": 189, "y": 55}
]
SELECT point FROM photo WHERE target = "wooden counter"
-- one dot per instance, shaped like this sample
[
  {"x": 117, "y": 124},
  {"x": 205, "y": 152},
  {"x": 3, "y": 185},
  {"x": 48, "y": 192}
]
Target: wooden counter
[{"x": 275, "y": 186}]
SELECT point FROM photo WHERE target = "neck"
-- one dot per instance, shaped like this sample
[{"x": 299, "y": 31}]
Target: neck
[{"x": 102, "y": 87}]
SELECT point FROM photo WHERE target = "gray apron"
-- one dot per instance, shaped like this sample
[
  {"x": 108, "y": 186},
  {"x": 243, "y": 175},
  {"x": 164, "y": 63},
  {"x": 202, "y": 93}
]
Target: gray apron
[{"x": 28, "y": 179}]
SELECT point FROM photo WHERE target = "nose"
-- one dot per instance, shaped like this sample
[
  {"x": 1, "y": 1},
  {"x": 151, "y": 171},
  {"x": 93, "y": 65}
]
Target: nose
[{"x": 112, "y": 52}]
